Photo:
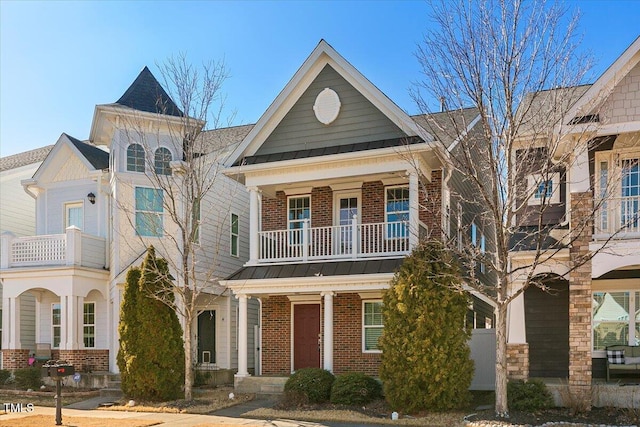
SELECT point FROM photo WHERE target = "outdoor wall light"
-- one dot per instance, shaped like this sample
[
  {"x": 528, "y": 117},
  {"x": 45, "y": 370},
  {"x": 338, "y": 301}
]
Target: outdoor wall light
[{"x": 92, "y": 198}]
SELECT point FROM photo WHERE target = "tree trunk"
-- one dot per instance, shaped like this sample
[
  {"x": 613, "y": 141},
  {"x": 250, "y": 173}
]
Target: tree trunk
[
  {"x": 188, "y": 360},
  {"x": 502, "y": 408}
]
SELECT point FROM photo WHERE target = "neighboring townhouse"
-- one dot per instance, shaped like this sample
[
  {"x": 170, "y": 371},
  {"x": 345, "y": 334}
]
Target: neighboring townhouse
[
  {"x": 97, "y": 210},
  {"x": 563, "y": 333},
  {"x": 343, "y": 184}
]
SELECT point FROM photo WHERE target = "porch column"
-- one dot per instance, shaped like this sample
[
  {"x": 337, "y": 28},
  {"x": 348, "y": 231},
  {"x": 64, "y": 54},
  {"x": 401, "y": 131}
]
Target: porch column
[
  {"x": 254, "y": 224},
  {"x": 63, "y": 323},
  {"x": 328, "y": 331},
  {"x": 5, "y": 248},
  {"x": 11, "y": 323},
  {"x": 71, "y": 322},
  {"x": 242, "y": 336},
  {"x": 414, "y": 210}
]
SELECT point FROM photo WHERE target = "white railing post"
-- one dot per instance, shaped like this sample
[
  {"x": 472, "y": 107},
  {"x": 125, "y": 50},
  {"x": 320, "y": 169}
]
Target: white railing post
[
  {"x": 355, "y": 236},
  {"x": 5, "y": 248},
  {"x": 74, "y": 246},
  {"x": 254, "y": 225},
  {"x": 305, "y": 240}
]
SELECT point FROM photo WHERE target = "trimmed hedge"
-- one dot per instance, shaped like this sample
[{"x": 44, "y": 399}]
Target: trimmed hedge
[
  {"x": 355, "y": 389},
  {"x": 310, "y": 384}
]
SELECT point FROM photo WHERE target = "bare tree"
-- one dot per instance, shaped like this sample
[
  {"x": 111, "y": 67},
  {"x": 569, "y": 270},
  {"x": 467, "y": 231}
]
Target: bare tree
[
  {"x": 184, "y": 162},
  {"x": 517, "y": 64}
]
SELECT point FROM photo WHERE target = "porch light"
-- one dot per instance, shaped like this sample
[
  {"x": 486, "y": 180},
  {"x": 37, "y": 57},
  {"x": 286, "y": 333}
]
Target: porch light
[{"x": 92, "y": 198}]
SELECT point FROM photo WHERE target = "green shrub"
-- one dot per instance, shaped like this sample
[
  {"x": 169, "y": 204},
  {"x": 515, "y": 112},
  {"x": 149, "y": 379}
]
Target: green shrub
[
  {"x": 28, "y": 378},
  {"x": 201, "y": 378},
  {"x": 355, "y": 389},
  {"x": 528, "y": 396},
  {"x": 310, "y": 384},
  {"x": 4, "y": 376}
]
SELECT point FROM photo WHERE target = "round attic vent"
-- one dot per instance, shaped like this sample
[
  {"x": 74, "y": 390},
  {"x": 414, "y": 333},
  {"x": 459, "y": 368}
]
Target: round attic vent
[{"x": 327, "y": 106}]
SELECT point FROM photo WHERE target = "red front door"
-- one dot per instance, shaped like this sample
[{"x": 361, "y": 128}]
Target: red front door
[{"x": 306, "y": 336}]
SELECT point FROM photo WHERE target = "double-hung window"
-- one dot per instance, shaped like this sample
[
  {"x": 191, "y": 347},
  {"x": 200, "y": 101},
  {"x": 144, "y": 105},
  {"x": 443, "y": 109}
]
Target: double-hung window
[
  {"x": 235, "y": 235},
  {"x": 135, "y": 158},
  {"x": 148, "y": 212},
  {"x": 397, "y": 212},
  {"x": 89, "y": 325},
  {"x": 299, "y": 213},
  {"x": 73, "y": 215},
  {"x": 630, "y": 192},
  {"x": 372, "y": 325},
  {"x": 544, "y": 189},
  {"x": 56, "y": 324}
]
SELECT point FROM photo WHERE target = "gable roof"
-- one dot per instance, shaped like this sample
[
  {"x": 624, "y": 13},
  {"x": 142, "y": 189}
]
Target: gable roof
[
  {"x": 22, "y": 159},
  {"x": 447, "y": 126},
  {"x": 146, "y": 94},
  {"x": 98, "y": 158},
  {"x": 321, "y": 56}
]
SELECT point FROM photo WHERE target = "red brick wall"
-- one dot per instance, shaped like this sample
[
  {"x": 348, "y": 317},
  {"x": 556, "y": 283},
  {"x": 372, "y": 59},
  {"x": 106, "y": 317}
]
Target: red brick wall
[
  {"x": 88, "y": 360},
  {"x": 276, "y": 335},
  {"x": 372, "y": 202},
  {"x": 431, "y": 204},
  {"x": 15, "y": 359},
  {"x": 321, "y": 207},
  {"x": 274, "y": 212},
  {"x": 347, "y": 337}
]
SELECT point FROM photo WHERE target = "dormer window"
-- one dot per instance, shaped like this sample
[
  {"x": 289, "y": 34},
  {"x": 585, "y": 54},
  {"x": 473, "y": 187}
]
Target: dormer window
[
  {"x": 135, "y": 158},
  {"x": 162, "y": 160}
]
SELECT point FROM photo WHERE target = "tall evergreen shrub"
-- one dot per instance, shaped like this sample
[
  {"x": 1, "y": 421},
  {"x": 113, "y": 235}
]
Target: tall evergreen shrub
[{"x": 426, "y": 362}]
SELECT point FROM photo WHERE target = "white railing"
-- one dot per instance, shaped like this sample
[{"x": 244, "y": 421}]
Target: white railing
[
  {"x": 71, "y": 248},
  {"x": 619, "y": 215},
  {"x": 335, "y": 242}
]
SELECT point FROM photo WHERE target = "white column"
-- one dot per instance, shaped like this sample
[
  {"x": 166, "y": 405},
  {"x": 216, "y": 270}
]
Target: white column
[
  {"x": 328, "y": 331},
  {"x": 516, "y": 332},
  {"x": 254, "y": 224},
  {"x": 11, "y": 323},
  {"x": 79, "y": 323},
  {"x": 5, "y": 248},
  {"x": 63, "y": 322},
  {"x": 414, "y": 210},
  {"x": 242, "y": 336},
  {"x": 74, "y": 246}
]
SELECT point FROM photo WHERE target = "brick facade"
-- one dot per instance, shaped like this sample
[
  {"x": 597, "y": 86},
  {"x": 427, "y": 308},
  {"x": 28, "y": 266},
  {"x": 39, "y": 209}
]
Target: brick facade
[
  {"x": 274, "y": 212},
  {"x": 580, "y": 298},
  {"x": 372, "y": 202},
  {"x": 518, "y": 361},
  {"x": 87, "y": 360},
  {"x": 15, "y": 359},
  {"x": 276, "y": 335}
]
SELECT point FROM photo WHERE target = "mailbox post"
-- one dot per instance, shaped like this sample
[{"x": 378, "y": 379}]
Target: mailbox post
[{"x": 57, "y": 370}]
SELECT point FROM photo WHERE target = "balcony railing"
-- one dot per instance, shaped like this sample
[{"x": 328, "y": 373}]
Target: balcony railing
[
  {"x": 335, "y": 242},
  {"x": 618, "y": 216},
  {"x": 71, "y": 248}
]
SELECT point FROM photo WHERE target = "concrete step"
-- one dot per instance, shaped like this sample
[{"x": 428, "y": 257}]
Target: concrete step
[
  {"x": 114, "y": 384},
  {"x": 114, "y": 392}
]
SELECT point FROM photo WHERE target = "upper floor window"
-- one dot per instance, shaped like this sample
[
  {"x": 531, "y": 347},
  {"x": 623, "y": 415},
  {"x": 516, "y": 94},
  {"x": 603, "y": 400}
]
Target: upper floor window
[
  {"x": 73, "y": 215},
  {"x": 544, "y": 189},
  {"x": 372, "y": 325},
  {"x": 162, "y": 161},
  {"x": 195, "y": 218},
  {"x": 135, "y": 158},
  {"x": 299, "y": 212},
  {"x": 235, "y": 235},
  {"x": 397, "y": 211},
  {"x": 149, "y": 212},
  {"x": 483, "y": 251},
  {"x": 89, "y": 324},
  {"x": 618, "y": 190}
]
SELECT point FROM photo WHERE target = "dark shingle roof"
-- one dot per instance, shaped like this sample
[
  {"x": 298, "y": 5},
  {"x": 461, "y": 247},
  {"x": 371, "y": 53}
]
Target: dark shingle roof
[
  {"x": 526, "y": 239},
  {"x": 146, "y": 94},
  {"x": 446, "y": 126},
  {"x": 98, "y": 158},
  {"x": 23, "y": 159},
  {"x": 336, "y": 268}
]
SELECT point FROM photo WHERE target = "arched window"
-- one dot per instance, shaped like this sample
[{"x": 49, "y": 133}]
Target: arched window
[
  {"x": 162, "y": 159},
  {"x": 135, "y": 158}
]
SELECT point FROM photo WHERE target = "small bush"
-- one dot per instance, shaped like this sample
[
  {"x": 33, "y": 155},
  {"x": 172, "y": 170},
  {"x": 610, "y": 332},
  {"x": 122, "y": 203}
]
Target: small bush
[
  {"x": 311, "y": 384},
  {"x": 201, "y": 378},
  {"x": 4, "y": 376},
  {"x": 355, "y": 389},
  {"x": 528, "y": 396},
  {"x": 28, "y": 378}
]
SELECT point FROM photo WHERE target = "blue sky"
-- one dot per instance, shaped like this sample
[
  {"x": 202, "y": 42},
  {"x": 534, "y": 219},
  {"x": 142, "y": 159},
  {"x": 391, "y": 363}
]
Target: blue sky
[{"x": 59, "y": 59}]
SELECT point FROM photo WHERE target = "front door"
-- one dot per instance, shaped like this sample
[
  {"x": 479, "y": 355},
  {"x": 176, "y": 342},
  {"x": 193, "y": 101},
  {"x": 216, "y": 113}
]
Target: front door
[
  {"x": 306, "y": 336},
  {"x": 207, "y": 337}
]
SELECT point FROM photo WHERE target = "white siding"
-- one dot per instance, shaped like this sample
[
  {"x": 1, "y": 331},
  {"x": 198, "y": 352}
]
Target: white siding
[
  {"x": 73, "y": 192},
  {"x": 18, "y": 213}
]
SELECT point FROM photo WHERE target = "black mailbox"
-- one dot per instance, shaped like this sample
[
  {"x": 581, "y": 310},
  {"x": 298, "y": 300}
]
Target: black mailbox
[{"x": 57, "y": 369}]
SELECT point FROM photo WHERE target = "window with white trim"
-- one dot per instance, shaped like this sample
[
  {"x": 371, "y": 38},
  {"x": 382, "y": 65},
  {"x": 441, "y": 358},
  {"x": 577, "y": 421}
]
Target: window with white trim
[
  {"x": 235, "y": 235},
  {"x": 618, "y": 191},
  {"x": 615, "y": 318},
  {"x": 299, "y": 213},
  {"x": 73, "y": 215},
  {"x": 397, "y": 212},
  {"x": 89, "y": 325},
  {"x": 135, "y": 158},
  {"x": 56, "y": 325},
  {"x": 372, "y": 325},
  {"x": 149, "y": 210},
  {"x": 474, "y": 234},
  {"x": 162, "y": 160},
  {"x": 544, "y": 189},
  {"x": 482, "y": 252}
]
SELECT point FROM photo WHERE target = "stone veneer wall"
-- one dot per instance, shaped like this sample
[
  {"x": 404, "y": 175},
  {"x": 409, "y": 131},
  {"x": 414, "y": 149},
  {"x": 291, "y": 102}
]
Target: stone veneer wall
[
  {"x": 580, "y": 304},
  {"x": 518, "y": 361}
]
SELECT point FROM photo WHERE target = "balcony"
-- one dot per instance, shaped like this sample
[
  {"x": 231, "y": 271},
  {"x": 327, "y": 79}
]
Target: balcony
[
  {"x": 72, "y": 248},
  {"x": 353, "y": 241},
  {"x": 618, "y": 216}
]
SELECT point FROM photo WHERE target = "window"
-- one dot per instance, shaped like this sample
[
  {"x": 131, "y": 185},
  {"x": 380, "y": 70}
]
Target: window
[
  {"x": 459, "y": 227},
  {"x": 346, "y": 205},
  {"x": 89, "y": 325},
  {"x": 195, "y": 220},
  {"x": 148, "y": 212},
  {"x": 616, "y": 318},
  {"x": 372, "y": 325},
  {"x": 299, "y": 212},
  {"x": 73, "y": 215},
  {"x": 545, "y": 189},
  {"x": 234, "y": 234},
  {"x": 56, "y": 326},
  {"x": 630, "y": 186},
  {"x": 397, "y": 212},
  {"x": 482, "y": 253},
  {"x": 474, "y": 234},
  {"x": 162, "y": 161},
  {"x": 603, "y": 187},
  {"x": 135, "y": 158}
]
